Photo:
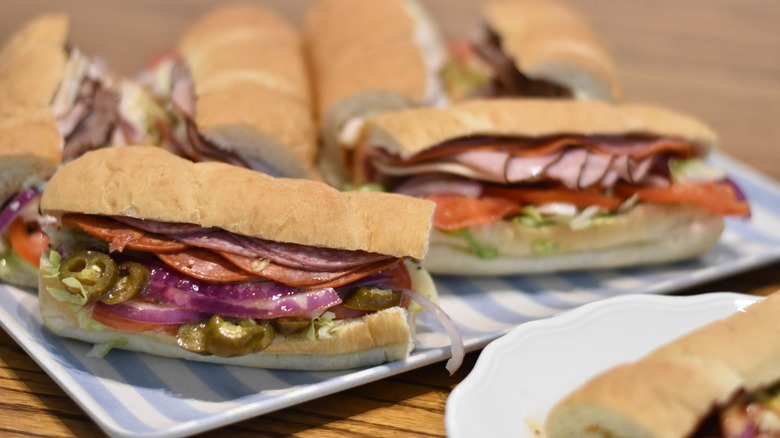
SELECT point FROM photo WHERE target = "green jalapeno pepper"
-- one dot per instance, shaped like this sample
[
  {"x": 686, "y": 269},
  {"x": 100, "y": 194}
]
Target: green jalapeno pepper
[
  {"x": 226, "y": 337},
  {"x": 132, "y": 279},
  {"x": 288, "y": 325},
  {"x": 96, "y": 272},
  {"x": 371, "y": 299}
]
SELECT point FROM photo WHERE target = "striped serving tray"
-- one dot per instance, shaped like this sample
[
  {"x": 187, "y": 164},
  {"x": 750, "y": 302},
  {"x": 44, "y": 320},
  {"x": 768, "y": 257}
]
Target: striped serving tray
[{"x": 131, "y": 394}]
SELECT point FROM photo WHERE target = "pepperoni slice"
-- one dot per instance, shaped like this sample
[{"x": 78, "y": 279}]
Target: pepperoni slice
[
  {"x": 306, "y": 279},
  {"x": 120, "y": 236},
  {"x": 204, "y": 265}
]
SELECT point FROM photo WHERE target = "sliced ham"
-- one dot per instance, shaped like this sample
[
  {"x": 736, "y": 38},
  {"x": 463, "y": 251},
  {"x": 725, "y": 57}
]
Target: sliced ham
[{"x": 575, "y": 161}]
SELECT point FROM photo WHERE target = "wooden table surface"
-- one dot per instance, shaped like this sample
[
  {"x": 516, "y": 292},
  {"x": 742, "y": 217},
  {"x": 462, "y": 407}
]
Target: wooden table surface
[{"x": 717, "y": 59}]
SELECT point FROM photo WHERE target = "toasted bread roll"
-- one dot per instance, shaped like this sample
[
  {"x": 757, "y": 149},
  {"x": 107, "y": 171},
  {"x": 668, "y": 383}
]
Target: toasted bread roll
[
  {"x": 367, "y": 58},
  {"x": 551, "y": 43},
  {"x": 223, "y": 264},
  {"x": 542, "y": 185},
  {"x": 246, "y": 74},
  {"x": 718, "y": 380}
]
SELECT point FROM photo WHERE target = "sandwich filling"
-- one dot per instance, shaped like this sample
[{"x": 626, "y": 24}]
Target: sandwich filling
[
  {"x": 568, "y": 180},
  {"x": 483, "y": 69},
  {"x": 21, "y": 238},
  {"x": 170, "y": 81},
  {"x": 218, "y": 293},
  {"x": 746, "y": 415}
]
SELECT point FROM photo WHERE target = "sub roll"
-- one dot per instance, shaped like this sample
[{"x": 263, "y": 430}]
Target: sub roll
[
  {"x": 237, "y": 91},
  {"x": 540, "y": 185},
  {"x": 721, "y": 380},
  {"x": 215, "y": 263},
  {"x": 533, "y": 48},
  {"x": 367, "y": 58},
  {"x": 55, "y": 104}
]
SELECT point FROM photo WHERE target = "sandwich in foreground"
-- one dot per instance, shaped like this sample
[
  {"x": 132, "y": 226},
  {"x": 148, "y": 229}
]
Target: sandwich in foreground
[
  {"x": 211, "y": 262},
  {"x": 237, "y": 91},
  {"x": 367, "y": 58},
  {"x": 533, "y": 48},
  {"x": 540, "y": 185},
  {"x": 721, "y": 380}
]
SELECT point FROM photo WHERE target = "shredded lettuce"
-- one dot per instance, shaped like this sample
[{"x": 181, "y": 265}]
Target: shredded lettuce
[
  {"x": 544, "y": 247},
  {"x": 100, "y": 350},
  {"x": 694, "y": 170},
  {"x": 50, "y": 266},
  {"x": 365, "y": 187},
  {"x": 482, "y": 251},
  {"x": 16, "y": 270},
  {"x": 539, "y": 216},
  {"x": 321, "y": 327}
]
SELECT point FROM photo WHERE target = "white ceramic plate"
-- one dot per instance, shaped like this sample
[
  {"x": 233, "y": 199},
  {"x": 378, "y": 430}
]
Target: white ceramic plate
[
  {"x": 519, "y": 377},
  {"x": 131, "y": 394}
]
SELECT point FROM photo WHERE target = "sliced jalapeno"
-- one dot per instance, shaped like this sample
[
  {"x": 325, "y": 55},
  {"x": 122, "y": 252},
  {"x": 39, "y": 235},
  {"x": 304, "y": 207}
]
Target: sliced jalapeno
[
  {"x": 192, "y": 337},
  {"x": 225, "y": 337},
  {"x": 237, "y": 337},
  {"x": 371, "y": 298},
  {"x": 96, "y": 272},
  {"x": 132, "y": 280},
  {"x": 288, "y": 325}
]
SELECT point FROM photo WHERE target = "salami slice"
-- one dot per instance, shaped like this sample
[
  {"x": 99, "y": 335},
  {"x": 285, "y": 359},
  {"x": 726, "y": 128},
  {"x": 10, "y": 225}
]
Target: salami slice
[
  {"x": 120, "y": 236},
  {"x": 307, "y": 279},
  {"x": 309, "y": 257},
  {"x": 205, "y": 265},
  {"x": 159, "y": 227}
]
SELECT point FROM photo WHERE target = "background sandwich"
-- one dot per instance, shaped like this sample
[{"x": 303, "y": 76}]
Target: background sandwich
[
  {"x": 55, "y": 104},
  {"x": 719, "y": 380},
  {"x": 526, "y": 186},
  {"x": 210, "y": 262},
  {"x": 533, "y": 48},
  {"x": 238, "y": 92},
  {"x": 367, "y": 58}
]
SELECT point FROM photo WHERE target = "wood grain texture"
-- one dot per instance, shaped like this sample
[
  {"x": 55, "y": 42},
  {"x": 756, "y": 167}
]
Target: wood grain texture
[{"x": 717, "y": 59}]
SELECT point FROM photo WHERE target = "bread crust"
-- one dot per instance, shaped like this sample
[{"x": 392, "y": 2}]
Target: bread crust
[
  {"x": 150, "y": 183},
  {"x": 32, "y": 62},
  {"x": 252, "y": 90},
  {"x": 675, "y": 385},
  {"x": 649, "y": 234},
  {"x": 384, "y": 336},
  {"x": 410, "y": 131},
  {"x": 30, "y": 149},
  {"x": 31, "y": 67},
  {"x": 618, "y": 404},
  {"x": 367, "y": 57},
  {"x": 549, "y": 41}
]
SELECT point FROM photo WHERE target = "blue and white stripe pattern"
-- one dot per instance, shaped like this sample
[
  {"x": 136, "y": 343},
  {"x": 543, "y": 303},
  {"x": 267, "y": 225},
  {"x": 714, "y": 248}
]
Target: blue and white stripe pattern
[{"x": 132, "y": 394}]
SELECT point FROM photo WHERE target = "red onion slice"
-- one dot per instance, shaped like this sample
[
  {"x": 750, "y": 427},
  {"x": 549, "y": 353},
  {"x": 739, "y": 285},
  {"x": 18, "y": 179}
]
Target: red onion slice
[
  {"x": 15, "y": 205},
  {"x": 252, "y": 299},
  {"x": 144, "y": 311},
  {"x": 457, "y": 350}
]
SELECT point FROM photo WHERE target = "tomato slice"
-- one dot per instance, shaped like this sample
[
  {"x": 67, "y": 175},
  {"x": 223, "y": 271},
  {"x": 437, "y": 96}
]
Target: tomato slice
[
  {"x": 105, "y": 317},
  {"x": 454, "y": 212},
  {"x": 580, "y": 198},
  {"x": 718, "y": 198},
  {"x": 28, "y": 240}
]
